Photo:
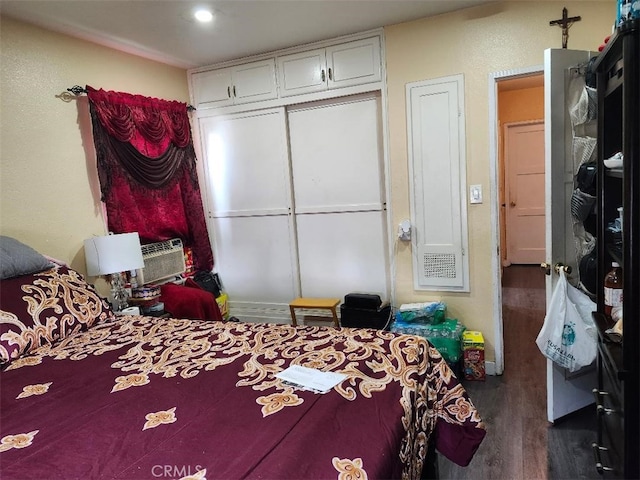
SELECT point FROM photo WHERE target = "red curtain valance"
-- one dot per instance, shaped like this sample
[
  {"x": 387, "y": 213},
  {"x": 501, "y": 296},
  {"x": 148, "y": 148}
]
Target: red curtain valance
[{"x": 149, "y": 124}]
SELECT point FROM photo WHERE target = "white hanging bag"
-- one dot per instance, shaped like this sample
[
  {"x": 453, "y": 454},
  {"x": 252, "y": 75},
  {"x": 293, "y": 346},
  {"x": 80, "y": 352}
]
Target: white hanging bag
[{"x": 568, "y": 335}]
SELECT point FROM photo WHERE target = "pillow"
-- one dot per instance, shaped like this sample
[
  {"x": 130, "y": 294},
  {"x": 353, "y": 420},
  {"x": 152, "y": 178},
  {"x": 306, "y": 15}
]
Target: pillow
[
  {"x": 45, "y": 307},
  {"x": 17, "y": 259}
]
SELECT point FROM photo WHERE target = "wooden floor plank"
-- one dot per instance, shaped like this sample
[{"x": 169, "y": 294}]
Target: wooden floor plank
[{"x": 520, "y": 443}]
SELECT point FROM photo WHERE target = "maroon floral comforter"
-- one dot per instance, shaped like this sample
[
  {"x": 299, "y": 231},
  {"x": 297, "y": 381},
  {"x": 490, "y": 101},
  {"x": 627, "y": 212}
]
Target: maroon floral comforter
[{"x": 144, "y": 398}]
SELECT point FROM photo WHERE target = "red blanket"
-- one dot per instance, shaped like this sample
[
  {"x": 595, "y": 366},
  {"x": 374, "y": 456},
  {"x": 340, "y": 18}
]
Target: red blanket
[{"x": 189, "y": 301}]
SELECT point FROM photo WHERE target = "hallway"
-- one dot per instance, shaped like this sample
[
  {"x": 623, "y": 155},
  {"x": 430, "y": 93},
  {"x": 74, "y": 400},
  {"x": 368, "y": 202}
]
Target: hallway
[{"x": 520, "y": 443}]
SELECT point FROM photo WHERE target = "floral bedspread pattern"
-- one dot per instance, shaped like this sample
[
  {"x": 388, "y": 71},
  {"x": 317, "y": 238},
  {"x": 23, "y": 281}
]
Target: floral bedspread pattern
[
  {"x": 55, "y": 303},
  {"x": 398, "y": 388}
]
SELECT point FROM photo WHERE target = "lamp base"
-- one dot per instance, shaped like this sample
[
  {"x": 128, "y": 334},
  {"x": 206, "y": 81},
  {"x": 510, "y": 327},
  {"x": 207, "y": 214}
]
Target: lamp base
[{"x": 119, "y": 295}]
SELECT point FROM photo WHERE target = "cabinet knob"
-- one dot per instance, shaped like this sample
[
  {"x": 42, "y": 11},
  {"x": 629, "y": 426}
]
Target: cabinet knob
[
  {"x": 330, "y": 74},
  {"x": 602, "y": 410},
  {"x": 322, "y": 75},
  {"x": 234, "y": 90},
  {"x": 596, "y": 454},
  {"x": 229, "y": 92}
]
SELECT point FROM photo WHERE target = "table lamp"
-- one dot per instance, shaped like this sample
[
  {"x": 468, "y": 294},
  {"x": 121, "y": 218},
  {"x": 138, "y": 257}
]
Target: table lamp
[{"x": 111, "y": 255}]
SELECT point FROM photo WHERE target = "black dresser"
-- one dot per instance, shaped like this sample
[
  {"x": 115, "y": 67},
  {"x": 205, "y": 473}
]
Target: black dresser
[{"x": 617, "y": 449}]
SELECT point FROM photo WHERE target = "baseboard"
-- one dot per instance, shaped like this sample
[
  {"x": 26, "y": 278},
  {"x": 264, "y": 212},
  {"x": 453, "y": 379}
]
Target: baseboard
[
  {"x": 490, "y": 368},
  {"x": 274, "y": 313},
  {"x": 260, "y": 312}
]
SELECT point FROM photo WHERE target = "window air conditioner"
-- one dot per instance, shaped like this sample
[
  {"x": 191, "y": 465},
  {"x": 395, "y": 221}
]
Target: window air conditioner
[{"x": 161, "y": 260}]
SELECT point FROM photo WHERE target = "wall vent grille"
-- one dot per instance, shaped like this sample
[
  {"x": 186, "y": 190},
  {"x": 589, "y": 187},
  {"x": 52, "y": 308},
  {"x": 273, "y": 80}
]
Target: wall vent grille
[{"x": 439, "y": 265}]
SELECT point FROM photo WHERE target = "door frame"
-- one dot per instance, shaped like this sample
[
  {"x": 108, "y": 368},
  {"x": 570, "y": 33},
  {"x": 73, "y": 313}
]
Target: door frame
[{"x": 496, "y": 263}]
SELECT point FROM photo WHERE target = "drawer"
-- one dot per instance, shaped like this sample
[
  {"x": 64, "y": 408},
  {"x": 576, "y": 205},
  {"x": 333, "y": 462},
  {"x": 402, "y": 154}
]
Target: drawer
[{"x": 610, "y": 412}]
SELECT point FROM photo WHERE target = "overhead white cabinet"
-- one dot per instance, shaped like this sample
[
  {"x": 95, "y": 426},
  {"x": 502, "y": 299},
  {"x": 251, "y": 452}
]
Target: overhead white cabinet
[
  {"x": 304, "y": 72},
  {"x": 354, "y": 63},
  {"x": 337, "y": 66},
  {"x": 250, "y": 82}
]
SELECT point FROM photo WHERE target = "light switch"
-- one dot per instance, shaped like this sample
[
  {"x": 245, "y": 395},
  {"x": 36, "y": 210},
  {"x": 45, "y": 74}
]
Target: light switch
[{"x": 475, "y": 194}]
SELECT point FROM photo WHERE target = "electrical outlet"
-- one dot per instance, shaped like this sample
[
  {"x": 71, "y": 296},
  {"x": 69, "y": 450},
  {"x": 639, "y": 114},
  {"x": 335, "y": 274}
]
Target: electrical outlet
[{"x": 475, "y": 194}]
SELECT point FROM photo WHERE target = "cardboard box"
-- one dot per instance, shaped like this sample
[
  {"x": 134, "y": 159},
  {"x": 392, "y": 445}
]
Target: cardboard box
[
  {"x": 473, "y": 355},
  {"x": 223, "y": 305}
]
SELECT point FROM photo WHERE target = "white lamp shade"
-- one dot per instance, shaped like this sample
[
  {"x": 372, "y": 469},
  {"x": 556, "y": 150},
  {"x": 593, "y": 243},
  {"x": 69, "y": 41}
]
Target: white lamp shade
[{"x": 113, "y": 254}]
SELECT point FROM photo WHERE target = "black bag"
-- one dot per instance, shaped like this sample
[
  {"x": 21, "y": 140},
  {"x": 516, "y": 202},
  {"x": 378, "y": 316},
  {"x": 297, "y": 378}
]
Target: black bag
[
  {"x": 361, "y": 310},
  {"x": 209, "y": 281}
]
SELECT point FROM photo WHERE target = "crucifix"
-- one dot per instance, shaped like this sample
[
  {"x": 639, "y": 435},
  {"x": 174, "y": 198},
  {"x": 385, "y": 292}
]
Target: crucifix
[{"x": 565, "y": 22}]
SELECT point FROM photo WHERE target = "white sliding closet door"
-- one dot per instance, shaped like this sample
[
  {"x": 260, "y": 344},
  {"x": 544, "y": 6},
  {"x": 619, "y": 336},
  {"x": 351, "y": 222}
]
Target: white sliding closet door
[
  {"x": 338, "y": 183},
  {"x": 248, "y": 175}
]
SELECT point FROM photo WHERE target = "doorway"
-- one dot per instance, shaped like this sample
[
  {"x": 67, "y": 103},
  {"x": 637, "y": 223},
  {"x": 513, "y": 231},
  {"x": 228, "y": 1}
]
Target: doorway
[
  {"x": 520, "y": 125},
  {"x": 514, "y": 96}
]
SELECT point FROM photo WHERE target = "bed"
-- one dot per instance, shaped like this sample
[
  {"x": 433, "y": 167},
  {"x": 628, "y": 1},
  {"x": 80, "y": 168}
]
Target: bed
[{"x": 88, "y": 394}]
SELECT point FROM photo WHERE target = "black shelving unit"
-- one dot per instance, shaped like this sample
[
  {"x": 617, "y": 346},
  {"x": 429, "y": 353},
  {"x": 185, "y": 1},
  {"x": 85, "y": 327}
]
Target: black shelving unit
[{"x": 617, "y": 450}]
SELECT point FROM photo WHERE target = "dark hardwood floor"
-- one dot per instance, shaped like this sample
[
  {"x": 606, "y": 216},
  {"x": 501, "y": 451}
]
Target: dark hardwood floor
[{"x": 520, "y": 442}]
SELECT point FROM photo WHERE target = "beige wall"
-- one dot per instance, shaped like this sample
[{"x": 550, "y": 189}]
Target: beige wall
[
  {"x": 49, "y": 195},
  {"x": 475, "y": 42}
]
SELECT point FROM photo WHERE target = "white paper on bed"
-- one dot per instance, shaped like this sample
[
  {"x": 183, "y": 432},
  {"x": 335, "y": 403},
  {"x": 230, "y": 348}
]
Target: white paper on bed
[{"x": 310, "y": 378}]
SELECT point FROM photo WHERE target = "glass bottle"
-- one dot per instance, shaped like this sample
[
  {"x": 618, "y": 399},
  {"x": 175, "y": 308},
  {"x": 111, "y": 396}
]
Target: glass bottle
[{"x": 613, "y": 288}]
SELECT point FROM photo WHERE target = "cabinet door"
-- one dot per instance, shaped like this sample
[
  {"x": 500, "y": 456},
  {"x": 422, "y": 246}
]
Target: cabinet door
[
  {"x": 338, "y": 181},
  {"x": 249, "y": 204},
  {"x": 354, "y": 63},
  {"x": 254, "y": 82},
  {"x": 212, "y": 88},
  {"x": 610, "y": 414},
  {"x": 302, "y": 72},
  {"x": 437, "y": 165}
]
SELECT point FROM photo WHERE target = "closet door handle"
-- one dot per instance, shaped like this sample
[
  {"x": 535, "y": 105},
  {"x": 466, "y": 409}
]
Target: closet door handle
[
  {"x": 322, "y": 75},
  {"x": 330, "y": 75}
]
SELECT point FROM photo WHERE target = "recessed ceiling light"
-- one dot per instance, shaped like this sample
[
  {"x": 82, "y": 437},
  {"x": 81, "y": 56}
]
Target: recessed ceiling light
[{"x": 203, "y": 15}]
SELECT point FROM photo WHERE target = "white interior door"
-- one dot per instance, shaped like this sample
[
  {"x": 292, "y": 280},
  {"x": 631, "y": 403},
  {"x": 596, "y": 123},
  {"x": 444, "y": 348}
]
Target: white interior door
[
  {"x": 524, "y": 193},
  {"x": 566, "y": 393}
]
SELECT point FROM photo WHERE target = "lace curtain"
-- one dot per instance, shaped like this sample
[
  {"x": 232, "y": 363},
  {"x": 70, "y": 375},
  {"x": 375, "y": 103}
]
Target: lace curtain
[{"x": 147, "y": 170}]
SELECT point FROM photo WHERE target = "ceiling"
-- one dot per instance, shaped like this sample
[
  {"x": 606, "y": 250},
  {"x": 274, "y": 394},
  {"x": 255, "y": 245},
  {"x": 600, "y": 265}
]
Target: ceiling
[{"x": 165, "y": 31}]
